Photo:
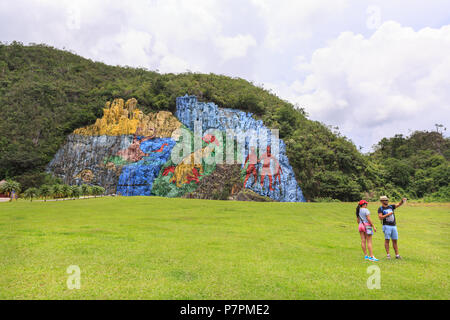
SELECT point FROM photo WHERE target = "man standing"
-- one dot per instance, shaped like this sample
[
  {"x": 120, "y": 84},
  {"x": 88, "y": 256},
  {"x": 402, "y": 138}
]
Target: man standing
[{"x": 386, "y": 214}]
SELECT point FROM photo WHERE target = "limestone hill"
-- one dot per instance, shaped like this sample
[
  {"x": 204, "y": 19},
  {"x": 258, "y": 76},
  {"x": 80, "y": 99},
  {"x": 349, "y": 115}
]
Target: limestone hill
[
  {"x": 46, "y": 94},
  {"x": 131, "y": 153}
]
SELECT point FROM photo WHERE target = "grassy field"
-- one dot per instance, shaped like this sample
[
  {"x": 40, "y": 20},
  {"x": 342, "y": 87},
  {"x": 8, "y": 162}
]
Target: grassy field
[{"x": 157, "y": 248}]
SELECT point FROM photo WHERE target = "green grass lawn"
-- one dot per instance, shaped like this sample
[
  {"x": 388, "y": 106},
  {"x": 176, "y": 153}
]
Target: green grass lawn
[{"x": 158, "y": 248}]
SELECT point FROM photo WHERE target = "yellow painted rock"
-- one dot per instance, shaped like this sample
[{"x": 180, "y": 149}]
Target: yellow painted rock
[{"x": 121, "y": 118}]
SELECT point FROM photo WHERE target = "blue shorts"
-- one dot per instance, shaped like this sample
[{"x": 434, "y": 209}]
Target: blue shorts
[{"x": 390, "y": 232}]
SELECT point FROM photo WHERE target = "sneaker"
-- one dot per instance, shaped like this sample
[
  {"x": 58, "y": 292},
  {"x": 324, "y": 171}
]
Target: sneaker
[
  {"x": 366, "y": 257},
  {"x": 398, "y": 257},
  {"x": 388, "y": 256},
  {"x": 373, "y": 259}
]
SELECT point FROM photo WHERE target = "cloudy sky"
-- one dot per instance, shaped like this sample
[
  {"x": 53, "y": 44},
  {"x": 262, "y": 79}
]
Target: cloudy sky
[{"x": 372, "y": 68}]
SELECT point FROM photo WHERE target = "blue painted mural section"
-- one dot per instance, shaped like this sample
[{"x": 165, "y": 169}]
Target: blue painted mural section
[
  {"x": 136, "y": 179},
  {"x": 211, "y": 116}
]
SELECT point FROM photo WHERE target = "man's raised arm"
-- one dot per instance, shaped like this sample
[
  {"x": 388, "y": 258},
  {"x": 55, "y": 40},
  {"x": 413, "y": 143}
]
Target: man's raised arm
[{"x": 401, "y": 203}]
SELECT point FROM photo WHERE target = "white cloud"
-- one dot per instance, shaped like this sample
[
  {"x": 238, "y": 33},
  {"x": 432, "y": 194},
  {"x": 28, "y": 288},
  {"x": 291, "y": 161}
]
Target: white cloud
[
  {"x": 131, "y": 48},
  {"x": 73, "y": 17},
  {"x": 300, "y": 63},
  {"x": 395, "y": 80},
  {"x": 171, "y": 63},
  {"x": 292, "y": 21},
  {"x": 234, "y": 47}
]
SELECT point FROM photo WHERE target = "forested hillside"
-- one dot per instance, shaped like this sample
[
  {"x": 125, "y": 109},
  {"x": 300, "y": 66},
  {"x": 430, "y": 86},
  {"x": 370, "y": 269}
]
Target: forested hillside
[
  {"x": 417, "y": 165},
  {"x": 46, "y": 93}
]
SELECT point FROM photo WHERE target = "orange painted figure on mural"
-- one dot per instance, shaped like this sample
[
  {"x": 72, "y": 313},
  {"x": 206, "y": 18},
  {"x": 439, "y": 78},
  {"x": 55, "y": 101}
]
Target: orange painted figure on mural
[{"x": 252, "y": 160}]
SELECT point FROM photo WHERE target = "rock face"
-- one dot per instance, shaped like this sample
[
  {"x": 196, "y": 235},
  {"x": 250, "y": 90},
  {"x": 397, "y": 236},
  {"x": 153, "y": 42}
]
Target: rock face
[
  {"x": 123, "y": 151},
  {"x": 265, "y": 176},
  {"x": 249, "y": 195},
  {"x": 121, "y": 118},
  {"x": 215, "y": 187},
  {"x": 136, "y": 179},
  {"x": 81, "y": 153},
  {"x": 131, "y": 153}
]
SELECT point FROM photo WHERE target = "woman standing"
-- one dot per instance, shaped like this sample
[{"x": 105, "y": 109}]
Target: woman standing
[{"x": 366, "y": 229}]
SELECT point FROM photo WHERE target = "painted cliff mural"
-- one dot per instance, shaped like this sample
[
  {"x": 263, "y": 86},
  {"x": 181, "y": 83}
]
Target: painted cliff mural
[{"x": 202, "y": 151}]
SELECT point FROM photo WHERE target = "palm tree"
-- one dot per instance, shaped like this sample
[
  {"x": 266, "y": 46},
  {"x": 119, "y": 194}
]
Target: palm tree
[
  {"x": 10, "y": 186},
  {"x": 66, "y": 190},
  {"x": 31, "y": 193},
  {"x": 94, "y": 191},
  {"x": 56, "y": 190},
  {"x": 75, "y": 191},
  {"x": 86, "y": 190},
  {"x": 101, "y": 190},
  {"x": 3, "y": 187},
  {"x": 97, "y": 190},
  {"x": 45, "y": 191}
]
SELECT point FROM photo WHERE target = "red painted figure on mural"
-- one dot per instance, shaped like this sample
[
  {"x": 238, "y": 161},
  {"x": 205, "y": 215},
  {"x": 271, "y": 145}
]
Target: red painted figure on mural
[
  {"x": 252, "y": 160},
  {"x": 266, "y": 168},
  {"x": 168, "y": 170},
  {"x": 195, "y": 176}
]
